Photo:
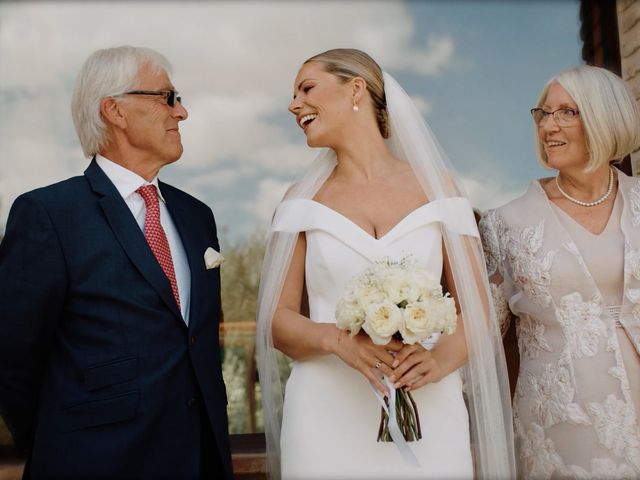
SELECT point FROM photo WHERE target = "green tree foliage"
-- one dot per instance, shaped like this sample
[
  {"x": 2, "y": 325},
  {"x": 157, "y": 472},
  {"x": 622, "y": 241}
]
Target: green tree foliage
[{"x": 240, "y": 277}]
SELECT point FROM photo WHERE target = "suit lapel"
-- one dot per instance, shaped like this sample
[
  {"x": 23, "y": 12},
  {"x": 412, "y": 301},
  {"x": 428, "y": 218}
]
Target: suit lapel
[
  {"x": 184, "y": 222},
  {"x": 129, "y": 235}
]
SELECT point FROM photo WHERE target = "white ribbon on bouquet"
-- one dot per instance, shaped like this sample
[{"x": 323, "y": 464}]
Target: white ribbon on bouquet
[{"x": 394, "y": 429}]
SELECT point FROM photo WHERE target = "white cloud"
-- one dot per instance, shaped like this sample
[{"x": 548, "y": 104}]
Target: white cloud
[
  {"x": 483, "y": 195},
  {"x": 234, "y": 64},
  {"x": 32, "y": 153},
  {"x": 229, "y": 126},
  {"x": 216, "y": 46},
  {"x": 422, "y": 104},
  {"x": 222, "y": 178},
  {"x": 432, "y": 59},
  {"x": 269, "y": 193},
  {"x": 285, "y": 158}
]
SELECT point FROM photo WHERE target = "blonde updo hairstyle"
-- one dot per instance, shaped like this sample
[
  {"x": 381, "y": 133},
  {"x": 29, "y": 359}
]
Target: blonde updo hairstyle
[
  {"x": 608, "y": 112},
  {"x": 348, "y": 63}
]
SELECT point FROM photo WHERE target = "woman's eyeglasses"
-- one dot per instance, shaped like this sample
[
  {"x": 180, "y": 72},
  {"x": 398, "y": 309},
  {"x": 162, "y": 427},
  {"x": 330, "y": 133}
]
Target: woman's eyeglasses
[{"x": 564, "y": 117}]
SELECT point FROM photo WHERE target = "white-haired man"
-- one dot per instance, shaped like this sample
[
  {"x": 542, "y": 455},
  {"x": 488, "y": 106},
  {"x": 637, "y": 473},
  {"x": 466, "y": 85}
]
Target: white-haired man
[{"x": 109, "y": 357}]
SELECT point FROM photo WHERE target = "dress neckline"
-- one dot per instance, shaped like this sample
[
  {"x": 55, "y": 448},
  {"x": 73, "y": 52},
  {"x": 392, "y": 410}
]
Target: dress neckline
[
  {"x": 403, "y": 220},
  {"x": 607, "y": 227},
  {"x": 563, "y": 229},
  {"x": 303, "y": 215}
]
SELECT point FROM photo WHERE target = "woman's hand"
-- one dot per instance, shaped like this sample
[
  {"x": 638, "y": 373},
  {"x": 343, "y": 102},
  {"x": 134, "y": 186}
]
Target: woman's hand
[
  {"x": 416, "y": 366},
  {"x": 361, "y": 353}
]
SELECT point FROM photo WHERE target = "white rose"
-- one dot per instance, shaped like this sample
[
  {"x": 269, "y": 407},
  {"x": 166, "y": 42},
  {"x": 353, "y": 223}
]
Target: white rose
[
  {"x": 448, "y": 315},
  {"x": 422, "y": 319},
  {"x": 368, "y": 295},
  {"x": 395, "y": 284},
  {"x": 349, "y": 316},
  {"x": 418, "y": 322},
  {"x": 413, "y": 291},
  {"x": 382, "y": 322}
]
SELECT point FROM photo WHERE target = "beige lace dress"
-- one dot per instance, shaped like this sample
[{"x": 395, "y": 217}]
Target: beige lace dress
[{"x": 576, "y": 300}]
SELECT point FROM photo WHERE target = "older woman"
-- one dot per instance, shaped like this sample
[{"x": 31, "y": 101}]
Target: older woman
[{"x": 565, "y": 258}]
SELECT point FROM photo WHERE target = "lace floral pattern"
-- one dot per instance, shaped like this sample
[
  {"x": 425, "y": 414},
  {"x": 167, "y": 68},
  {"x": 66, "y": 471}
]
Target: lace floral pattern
[
  {"x": 603, "y": 469},
  {"x": 581, "y": 324},
  {"x": 633, "y": 295},
  {"x": 501, "y": 307},
  {"x": 632, "y": 262},
  {"x": 531, "y": 340},
  {"x": 551, "y": 397},
  {"x": 490, "y": 242},
  {"x": 529, "y": 272},
  {"x": 616, "y": 427},
  {"x": 634, "y": 201},
  {"x": 538, "y": 456}
]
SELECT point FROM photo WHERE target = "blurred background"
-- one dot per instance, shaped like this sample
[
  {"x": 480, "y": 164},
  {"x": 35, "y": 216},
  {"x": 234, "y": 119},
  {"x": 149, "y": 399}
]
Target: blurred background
[{"x": 474, "y": 68}]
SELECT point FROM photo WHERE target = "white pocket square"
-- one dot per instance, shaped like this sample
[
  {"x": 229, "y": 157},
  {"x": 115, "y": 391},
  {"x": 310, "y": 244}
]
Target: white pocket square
[{"x": 212, "y": 258}]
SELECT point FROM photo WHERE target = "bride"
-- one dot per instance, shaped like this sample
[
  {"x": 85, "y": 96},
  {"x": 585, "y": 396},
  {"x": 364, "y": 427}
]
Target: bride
[{"x": 379, "y": 188}]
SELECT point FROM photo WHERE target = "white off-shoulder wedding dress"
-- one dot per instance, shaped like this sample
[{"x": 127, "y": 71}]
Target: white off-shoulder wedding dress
[{"x": 331, "y": 414}]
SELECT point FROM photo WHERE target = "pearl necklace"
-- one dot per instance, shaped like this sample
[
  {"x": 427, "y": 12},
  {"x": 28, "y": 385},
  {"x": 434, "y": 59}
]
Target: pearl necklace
[{"x": 587, "y": 204}]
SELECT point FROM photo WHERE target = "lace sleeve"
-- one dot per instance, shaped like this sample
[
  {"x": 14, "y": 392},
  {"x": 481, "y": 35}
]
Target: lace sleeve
[
  {"x": 501, "y": 307},
  {"x": 491, "y": 246},
  {"x": 490, "y": 242}
]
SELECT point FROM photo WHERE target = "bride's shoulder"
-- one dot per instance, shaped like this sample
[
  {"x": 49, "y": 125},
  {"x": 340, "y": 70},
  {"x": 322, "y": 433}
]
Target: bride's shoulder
[
  {"x": 408, "y": 183},
  {"x": 324, "y": 191}
]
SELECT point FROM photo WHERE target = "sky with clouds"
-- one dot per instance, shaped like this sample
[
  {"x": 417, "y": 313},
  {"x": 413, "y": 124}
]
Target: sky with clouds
[{"x": 474, "y": 69}]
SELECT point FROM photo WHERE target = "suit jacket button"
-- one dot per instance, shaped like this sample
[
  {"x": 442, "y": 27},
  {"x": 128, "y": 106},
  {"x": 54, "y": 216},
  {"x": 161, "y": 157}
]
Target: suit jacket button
[
  {"x": 192, "y": 340},
  {"x": 191, "y": 402}
]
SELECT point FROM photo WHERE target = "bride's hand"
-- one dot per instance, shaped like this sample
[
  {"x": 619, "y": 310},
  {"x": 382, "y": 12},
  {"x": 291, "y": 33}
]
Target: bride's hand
[
  {"x": 361, "y": 353},
  {"x": 414, "y": 367}
]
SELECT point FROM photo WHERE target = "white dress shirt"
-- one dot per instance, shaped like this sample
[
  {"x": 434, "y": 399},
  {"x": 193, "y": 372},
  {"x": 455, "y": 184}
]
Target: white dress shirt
[{"x": 127, "y": 183}]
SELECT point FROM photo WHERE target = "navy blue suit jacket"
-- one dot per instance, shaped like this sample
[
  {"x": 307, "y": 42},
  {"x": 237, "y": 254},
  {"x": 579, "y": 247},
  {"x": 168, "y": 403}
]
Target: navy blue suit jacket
[{"x": 99, "y": 375}]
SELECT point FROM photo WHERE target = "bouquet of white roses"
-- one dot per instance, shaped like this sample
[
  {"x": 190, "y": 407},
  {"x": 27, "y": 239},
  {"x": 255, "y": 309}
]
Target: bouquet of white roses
[{"x": 397, "y": 299}]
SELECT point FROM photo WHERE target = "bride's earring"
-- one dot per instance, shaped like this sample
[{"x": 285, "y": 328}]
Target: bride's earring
[{"x": 355, "y": 106}]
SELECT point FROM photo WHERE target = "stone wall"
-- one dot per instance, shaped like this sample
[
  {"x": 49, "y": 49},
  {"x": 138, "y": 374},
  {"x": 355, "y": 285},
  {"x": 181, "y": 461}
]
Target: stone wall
[{"x": 629, "y": 31}]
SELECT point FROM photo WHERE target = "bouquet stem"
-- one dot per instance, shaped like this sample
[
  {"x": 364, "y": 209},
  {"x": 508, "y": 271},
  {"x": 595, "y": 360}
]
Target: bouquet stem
[{"x": 406, "y": 416}]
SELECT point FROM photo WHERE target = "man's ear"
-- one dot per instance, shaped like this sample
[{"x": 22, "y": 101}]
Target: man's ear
[{"x": 112, "y": 112}]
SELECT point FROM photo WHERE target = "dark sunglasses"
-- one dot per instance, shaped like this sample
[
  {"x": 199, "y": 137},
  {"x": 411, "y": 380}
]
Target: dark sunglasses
[{"x": 170, "y": 96}]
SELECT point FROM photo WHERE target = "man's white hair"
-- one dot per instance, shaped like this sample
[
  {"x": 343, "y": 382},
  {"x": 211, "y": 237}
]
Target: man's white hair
[{"x": 107, "y": 73}]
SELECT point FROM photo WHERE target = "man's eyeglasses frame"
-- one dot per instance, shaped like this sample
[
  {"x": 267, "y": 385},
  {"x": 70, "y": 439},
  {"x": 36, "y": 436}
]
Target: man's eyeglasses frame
[{"x": 170, "y": 96}]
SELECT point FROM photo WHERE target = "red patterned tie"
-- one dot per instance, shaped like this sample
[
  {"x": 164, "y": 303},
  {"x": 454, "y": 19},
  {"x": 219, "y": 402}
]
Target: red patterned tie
[{"x": 156, "y": 238}]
